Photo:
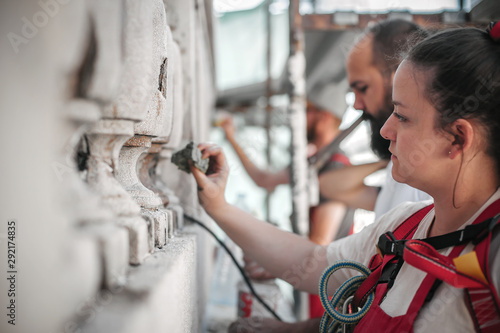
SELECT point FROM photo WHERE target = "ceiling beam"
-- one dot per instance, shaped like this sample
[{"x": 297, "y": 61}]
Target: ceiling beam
[{"x": 351, "y": 20}]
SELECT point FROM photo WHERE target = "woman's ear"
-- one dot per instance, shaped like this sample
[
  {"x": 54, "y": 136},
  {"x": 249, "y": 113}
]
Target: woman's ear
[{"x": 463, "y": 133}]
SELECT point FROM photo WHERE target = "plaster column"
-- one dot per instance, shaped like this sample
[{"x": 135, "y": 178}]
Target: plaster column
[
  {"x": 184, "y": 30},
  {"x": 167, "y": 173},
  {"x": 134, "y": 36},
  {"x": 157, "y": 123},
  {"x": 86, "y": 205},
  {"x": 164, "y": 228},
  {"x": 93, "y": 228},
  {"x": 149, "y": 162},
  {"x": 105, "y": 140}
]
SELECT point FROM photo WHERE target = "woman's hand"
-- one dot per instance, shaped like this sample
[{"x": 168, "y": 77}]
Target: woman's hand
[{"x": 211, "y": 186}]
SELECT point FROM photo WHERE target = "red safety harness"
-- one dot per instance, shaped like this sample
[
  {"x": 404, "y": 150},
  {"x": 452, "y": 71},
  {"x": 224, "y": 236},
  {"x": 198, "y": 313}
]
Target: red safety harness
[{"x": 398, "y": 247}]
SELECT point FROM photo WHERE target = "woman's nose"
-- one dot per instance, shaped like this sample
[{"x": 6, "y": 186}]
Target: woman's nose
[{"x": 388, "y": 130}]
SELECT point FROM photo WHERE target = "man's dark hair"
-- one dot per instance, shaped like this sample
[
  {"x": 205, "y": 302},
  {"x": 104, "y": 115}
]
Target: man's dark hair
[{"x": 391, "y": 38}]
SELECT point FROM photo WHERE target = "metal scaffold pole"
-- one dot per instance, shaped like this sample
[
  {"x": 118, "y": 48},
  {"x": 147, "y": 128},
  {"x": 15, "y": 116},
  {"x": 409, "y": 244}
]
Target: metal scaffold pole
[
  {"x": 268, "y": 102},
  {"x": 296, "y": 114},
  {"x": 298, "y": 147}
]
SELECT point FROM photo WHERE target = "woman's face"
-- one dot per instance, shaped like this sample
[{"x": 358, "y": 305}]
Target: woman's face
[{"x": 419, "y": 150}]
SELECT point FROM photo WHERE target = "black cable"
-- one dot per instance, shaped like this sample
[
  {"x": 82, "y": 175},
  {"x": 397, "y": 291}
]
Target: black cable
[{"x": 242, "y": 271}]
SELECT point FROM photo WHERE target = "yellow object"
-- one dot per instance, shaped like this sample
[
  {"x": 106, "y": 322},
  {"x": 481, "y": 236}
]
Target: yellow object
[{"x": 469, "y": 264}]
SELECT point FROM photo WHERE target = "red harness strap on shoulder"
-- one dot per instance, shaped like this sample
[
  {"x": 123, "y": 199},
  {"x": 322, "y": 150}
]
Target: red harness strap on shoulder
[
  {"x": 404, "y": 231},
  {"x": 423, "y": 256},
  {"x": 483, "y": 302},
  {"x": 482, "y": 299}
]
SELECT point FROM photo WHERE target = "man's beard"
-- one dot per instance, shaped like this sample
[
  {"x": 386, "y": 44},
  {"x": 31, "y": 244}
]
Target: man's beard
[{"x": 379, "y": 145}]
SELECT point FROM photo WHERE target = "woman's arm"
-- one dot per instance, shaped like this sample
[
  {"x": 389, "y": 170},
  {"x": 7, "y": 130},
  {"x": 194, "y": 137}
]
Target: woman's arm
[{"x": 288, "y": 256}]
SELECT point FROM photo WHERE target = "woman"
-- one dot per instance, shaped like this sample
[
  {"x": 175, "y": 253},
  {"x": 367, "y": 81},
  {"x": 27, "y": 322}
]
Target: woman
[{"x": 445, "y": 135}]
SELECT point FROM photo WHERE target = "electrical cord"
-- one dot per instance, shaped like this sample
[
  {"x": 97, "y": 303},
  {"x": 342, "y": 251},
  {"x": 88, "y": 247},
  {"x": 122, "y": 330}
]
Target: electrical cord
[{"x": 242, "y": 271}]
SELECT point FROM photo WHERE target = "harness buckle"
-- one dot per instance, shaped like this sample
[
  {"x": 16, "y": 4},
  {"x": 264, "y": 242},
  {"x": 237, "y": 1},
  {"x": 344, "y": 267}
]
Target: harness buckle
[{"x": 388, "y": 244}]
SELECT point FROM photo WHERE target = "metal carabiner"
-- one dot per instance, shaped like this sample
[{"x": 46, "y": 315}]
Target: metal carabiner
[{"x": 345, "y": 310}]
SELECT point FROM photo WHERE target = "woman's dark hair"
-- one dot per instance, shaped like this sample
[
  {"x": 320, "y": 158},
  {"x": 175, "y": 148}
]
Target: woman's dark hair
[{"x": 464, "y": 80}]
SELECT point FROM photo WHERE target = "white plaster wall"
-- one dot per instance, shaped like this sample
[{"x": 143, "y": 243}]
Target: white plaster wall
[
  {"x": 159, "y": 296},
  {"x": 61, "y": 225}
]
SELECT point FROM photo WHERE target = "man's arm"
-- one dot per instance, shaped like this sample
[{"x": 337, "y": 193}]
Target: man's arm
[
  {"x": 347, "y": 185},
  {"x": 326, "y": 219},
  {"x": 263, "y": 178}
]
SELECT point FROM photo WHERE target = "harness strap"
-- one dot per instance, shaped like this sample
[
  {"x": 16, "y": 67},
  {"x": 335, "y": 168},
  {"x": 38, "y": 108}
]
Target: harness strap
[
  {"x": 404, "y": 231},
  {"x": 483, "y": 309},
  {"x": 389, "y": 244},
  {"x": 424, "y": 257},
  {"x": 484, "y": 303},
  {"x": 481, "y": 296}
]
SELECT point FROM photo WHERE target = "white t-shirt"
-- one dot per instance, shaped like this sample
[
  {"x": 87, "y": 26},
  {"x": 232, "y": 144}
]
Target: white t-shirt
[
  {"x": 447, "y": 312},
  {"x": 394, "y": 193}
]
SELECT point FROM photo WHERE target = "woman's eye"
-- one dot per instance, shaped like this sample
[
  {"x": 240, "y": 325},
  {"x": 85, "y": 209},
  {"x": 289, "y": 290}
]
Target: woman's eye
[
  {"x": 362, "y": 89},
  {"x": 398, "y": 116}
]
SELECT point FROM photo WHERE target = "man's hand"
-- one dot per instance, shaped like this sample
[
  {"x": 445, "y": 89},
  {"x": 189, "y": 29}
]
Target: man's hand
[
  {"x": 259, "y": 325},
  {"x": 256, "y": 271},
  {"x": 227, "y": 125}
]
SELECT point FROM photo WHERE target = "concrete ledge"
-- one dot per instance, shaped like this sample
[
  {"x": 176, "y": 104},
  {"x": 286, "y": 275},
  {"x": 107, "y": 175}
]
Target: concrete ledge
[{"x": 160, "y": 295}]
